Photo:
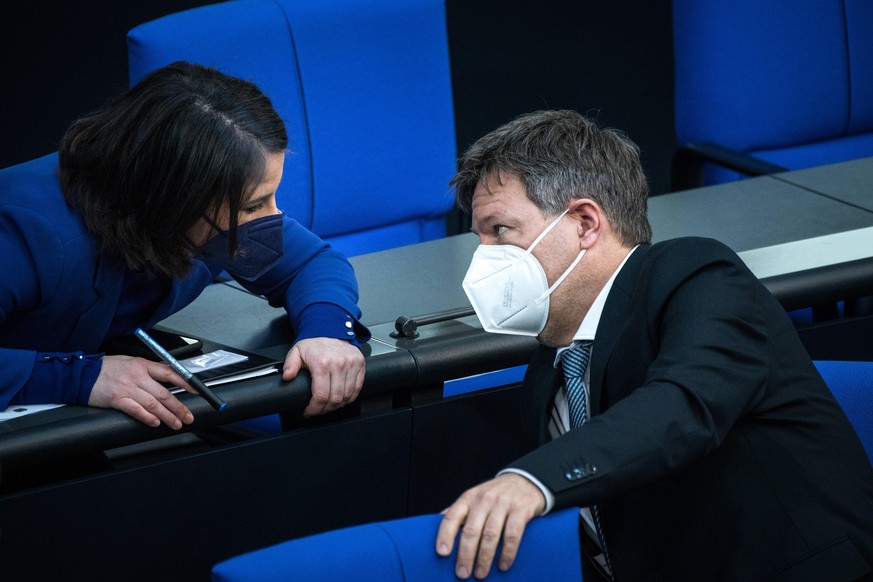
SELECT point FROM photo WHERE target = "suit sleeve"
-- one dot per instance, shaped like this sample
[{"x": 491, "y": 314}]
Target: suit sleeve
[{"x": 708, "y": 369}]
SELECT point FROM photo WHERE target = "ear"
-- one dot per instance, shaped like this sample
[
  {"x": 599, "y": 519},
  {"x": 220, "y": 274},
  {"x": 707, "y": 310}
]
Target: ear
[{"x": 589, "y": 219}]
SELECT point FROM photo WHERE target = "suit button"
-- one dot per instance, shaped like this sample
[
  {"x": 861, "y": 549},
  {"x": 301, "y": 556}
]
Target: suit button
[{"x": 575, "y": 474}]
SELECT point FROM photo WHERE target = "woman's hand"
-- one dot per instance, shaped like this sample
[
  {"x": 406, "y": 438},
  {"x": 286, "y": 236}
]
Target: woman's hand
[
  {"x": 133, "y": 386},
  {"x": 336, "y": 368}
]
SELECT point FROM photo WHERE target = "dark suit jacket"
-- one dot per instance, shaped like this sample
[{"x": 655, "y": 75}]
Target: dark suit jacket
[{"x": 715, "y": 451}]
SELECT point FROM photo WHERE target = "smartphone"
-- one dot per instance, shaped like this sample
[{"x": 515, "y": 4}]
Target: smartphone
[{"x": 179, "y": 346}]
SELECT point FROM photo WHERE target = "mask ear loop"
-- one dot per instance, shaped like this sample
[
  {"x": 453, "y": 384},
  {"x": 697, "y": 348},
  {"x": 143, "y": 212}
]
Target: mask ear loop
[
  {"x": 560, "y": 280},
  {"x": 546, "y": 231},
  {"x": 195, "y": 248},
  {"x": 213, "y": 224},
  {"x": 566, "y": 273}
]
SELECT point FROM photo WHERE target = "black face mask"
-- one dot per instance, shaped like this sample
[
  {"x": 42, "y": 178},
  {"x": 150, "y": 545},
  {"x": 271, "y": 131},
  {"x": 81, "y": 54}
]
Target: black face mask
[{"x": 259, "y": 247}]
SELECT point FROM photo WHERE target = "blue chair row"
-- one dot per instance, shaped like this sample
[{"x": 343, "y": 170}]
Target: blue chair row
[
  {"x": 403, "y": 549},
  {"x": 761, "y": 87},
  {"x": 365, "y": 92}
]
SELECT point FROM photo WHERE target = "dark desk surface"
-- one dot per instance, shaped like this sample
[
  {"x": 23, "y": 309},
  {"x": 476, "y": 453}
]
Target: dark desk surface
[
  {"x": 753, "y": 214},
  {"x": 785, "y": 231},
  {"x": 850, "y": 182},
  {"x": 411, "y": 281}
]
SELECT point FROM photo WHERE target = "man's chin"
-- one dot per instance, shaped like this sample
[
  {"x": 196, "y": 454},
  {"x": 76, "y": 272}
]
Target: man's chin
[{"x": 550, "y": 341}]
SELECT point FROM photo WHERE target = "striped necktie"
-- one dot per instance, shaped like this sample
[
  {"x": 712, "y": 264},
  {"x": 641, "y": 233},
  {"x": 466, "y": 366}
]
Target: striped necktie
[{"x": 574, "y": 363}]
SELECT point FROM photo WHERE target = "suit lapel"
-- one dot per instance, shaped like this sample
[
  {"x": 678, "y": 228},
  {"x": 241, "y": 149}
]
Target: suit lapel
[
  {"x": 543, "y": 380},
  {"x": 614, "y": 312}
]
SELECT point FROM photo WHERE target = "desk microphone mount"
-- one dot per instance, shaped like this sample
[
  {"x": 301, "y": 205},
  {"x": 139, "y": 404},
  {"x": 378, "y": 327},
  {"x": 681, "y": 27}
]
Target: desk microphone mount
[{"x": 407, "y": 328}]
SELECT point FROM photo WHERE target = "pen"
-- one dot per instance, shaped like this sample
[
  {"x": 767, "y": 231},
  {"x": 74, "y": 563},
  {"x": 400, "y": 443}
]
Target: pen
[{"x": 204, "y": 390}]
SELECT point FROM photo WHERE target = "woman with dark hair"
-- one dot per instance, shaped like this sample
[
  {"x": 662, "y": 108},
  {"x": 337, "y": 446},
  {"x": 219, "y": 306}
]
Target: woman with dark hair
[{"x": 151, "y": 198}]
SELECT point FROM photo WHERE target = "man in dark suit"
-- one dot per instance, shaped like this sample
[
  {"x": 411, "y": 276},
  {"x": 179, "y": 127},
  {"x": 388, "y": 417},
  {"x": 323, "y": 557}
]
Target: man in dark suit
[{"x": 670, "y": 398}]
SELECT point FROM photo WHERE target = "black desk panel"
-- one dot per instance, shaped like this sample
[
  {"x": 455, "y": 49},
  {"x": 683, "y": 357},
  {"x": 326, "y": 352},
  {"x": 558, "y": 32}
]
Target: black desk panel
[
  {"x": 73, "y": 430},
  {"x": 174, "y": 520},
  {"x": 445, "y": 351},
  {"x": 475, "y": 435}
]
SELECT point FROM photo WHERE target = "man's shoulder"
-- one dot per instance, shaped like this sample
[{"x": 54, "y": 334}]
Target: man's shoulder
[
  {"x": 690, "y": 251},
  {"x": 669, "y": 262},
  {"x": 692, "y": 245}
]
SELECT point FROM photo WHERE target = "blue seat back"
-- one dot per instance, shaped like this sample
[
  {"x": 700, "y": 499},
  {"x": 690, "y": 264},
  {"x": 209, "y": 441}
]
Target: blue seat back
[
  {"x": 852, "y": 385},
  {"x": 403, "y": 550},
  {"x": 790, "y": 84},
  {"x": 364, "y": 89}
]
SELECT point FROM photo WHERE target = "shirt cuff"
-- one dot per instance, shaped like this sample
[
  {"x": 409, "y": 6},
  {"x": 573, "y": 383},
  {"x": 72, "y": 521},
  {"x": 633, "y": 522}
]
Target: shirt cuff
[
  {"x": 60, "y": 378},
  {"x": 329, "y": 320},
  {"x": 550, "y": 498}
]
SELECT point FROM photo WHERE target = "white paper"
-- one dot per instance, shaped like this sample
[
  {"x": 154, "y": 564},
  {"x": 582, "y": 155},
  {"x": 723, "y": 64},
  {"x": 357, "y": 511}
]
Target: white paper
[
  {"x": 212, "y": 360},
  {"x": 24, "y": 409}
]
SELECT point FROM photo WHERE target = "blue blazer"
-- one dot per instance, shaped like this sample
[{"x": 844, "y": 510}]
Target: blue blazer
[{"x": 59, "y": 294}]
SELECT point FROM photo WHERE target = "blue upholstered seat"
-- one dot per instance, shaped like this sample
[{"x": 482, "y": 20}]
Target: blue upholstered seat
[
  {"x": 403, "y": 549},
  {"x": 788, "y": 85},
  {"x": 852, "y": 385},
  {"x": 365, "y": 92}
]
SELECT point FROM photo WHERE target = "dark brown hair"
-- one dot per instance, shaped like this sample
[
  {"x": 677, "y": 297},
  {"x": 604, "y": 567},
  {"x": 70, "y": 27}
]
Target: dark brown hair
[
  {"x": 558, "y": 156},
  {"x": 183, "y": 143}
]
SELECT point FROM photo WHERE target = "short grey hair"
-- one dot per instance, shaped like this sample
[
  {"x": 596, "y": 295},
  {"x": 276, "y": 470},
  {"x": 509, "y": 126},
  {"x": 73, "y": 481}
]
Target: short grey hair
[{"x": 559, "y": 156}]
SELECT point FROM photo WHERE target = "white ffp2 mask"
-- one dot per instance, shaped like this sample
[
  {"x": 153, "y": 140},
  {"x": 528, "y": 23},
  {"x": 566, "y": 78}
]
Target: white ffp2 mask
[{"x": 508, "y": 289}]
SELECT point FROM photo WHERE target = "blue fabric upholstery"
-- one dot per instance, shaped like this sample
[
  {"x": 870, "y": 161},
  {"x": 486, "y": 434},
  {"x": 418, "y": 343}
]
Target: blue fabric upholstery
[
  {"x": 852, "y": 385},
  {"x": 404, "y": 550},
  {"x": 365, "y": 92},
  {"x": 789, "y": 85}
]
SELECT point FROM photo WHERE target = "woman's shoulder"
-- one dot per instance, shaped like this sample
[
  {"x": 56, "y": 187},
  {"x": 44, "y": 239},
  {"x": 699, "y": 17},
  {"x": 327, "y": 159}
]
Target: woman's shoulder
[{"x": 31, "y": 196}]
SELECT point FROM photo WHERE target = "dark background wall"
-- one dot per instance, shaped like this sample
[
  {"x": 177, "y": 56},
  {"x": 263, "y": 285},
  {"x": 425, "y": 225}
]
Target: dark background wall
[{"x": 60, "y": 59}]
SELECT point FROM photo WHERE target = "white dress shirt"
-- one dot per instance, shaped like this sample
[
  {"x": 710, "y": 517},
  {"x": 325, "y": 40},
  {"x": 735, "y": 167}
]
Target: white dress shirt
[{"x": 560, "y": 421}]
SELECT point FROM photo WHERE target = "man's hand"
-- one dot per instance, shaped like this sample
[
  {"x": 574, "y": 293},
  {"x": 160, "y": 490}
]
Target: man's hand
[
  {"x": 132, "y": 385},
  {"x": 336, "y": 368},
  {"x": 498, "y": 508}
]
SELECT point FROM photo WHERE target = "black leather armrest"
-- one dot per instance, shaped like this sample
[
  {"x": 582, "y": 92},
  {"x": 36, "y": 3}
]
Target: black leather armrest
[{"x": 689, "y": 159}]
